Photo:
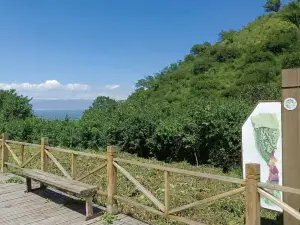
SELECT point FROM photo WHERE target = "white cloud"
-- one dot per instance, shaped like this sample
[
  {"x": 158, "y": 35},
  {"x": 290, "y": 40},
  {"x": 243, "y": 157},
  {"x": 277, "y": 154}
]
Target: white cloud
[
  {"x": 47, "y": 85},
  {"x": 53, "y": 89},
  {"x": 112, "y": 86}
]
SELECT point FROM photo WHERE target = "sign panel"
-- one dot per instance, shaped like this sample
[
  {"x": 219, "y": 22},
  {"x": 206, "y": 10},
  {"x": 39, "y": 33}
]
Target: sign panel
[{"x": 262, "y": 144}]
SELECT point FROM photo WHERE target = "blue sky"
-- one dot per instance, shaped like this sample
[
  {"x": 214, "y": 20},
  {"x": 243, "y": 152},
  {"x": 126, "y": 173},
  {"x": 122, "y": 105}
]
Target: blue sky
[{"x": 84, "y": 48}]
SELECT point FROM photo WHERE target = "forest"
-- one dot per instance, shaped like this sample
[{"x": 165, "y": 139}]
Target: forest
[{"x": 191, "y": 110}]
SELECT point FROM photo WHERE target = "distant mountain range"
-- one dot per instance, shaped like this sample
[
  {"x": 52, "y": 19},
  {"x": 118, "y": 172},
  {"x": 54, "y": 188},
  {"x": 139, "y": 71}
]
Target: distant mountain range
[{"x": 61, "y": 104}]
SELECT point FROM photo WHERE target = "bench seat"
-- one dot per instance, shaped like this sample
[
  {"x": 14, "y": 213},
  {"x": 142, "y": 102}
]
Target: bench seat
[{"x": 65, "y": 184}]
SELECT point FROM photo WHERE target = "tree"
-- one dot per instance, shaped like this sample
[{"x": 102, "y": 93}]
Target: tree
[
  {"x": 291, "y": 13},
  {"x": 199, "y": 48},
  {"x": 104, "y": 103},
  {"x": 272, "y": 5},
  {"x": 227, "y": 35},
  {"x": 14, "y": 106},
  {"x": 67, "y": 118},
  {"x": 291, "y": 60}
]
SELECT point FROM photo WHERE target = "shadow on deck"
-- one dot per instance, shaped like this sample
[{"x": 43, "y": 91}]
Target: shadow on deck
[{"x": 46, "y": 207}]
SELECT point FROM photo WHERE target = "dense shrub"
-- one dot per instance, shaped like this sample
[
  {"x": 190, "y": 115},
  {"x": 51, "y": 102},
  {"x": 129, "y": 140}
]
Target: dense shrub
[
  {"x": 14, "y": 107},
  {"x": 291, "y": 60}
]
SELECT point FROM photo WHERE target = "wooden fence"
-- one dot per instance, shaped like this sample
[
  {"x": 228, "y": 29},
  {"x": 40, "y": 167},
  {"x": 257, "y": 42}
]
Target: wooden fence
[{"x": 251, "y": 185}]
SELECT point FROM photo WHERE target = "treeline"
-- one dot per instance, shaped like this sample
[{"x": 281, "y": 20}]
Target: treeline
[
  {"x": 192, "y": 110},
  {"x": 202, "y": 132}
]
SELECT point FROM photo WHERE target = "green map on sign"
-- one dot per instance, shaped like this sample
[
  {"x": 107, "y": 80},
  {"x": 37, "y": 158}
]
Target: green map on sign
[{"x": 266, "y": 134}]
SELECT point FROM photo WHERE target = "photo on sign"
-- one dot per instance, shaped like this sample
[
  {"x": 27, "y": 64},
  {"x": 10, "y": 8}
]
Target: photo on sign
[{"x": 261, "y": 143}]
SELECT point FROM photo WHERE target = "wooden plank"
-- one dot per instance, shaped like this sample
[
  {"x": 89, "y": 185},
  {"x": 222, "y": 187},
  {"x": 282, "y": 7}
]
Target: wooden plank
[
  {"x": 24, "y": 207},
  {"x": 22, "y": 200},
  {"x": 207, "y": 200},
  {"x": 17, "y": 207},
  {"x": 290, "y": 140},
  {"x": 55, "y": 178},
  {"x": 13, "y": 154},
  {"x": 93, "y": 171},
  {"x": 12, "y": 165},
  {"x": 4, "y": 153},
  {"x": 22, "y": 154},
  {"x": 290, "y": 78},
  {"x": 29, "y": 160},
  {"x": 138, "y": 205},
  {"x": 64, "y": 216},
  {"x": 294, "y": 213},
  {"x": 8, "y": 186},
  {"x": 252, "y": 196},
  {"x": 61, "y": 215},
  {"x": 185, "y": 220},
  {"x": 76, "y": 152},
  {"x": 60, "y": 167},
  {"x": 73, "y": 186},
  {"x": 8, "y": 195},
  {"x": 101, "y": 193},
  {"x": 44, "y": 158},
  {"x": 279, "y": 188},
  {"x": 73, "y": 166},
  {"x": 38, "y": 200},
  {"x": 34, "y": 211},
  {"x": 64, "y": 179},
  {"x": 8, "y": 198},
  {"x": 139, "y": 186},
  {"x": 184, "y": 172},
  {"x": 167, "y": 192},
  {"x": 23, "y": 143}
]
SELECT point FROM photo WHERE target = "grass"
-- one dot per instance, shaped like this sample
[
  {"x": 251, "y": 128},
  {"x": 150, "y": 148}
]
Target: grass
[
  {"x": 108, "y": 218},
  {"x": 184, "y": 189},
  {"x": 16, "y": 180}
]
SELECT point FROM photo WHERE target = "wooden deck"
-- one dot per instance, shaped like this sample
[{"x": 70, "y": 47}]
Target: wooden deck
[{"x": 45, "y": 207}]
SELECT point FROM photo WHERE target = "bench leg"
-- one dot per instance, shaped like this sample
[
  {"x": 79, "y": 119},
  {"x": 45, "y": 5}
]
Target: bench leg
[
  {"x": 28, "y": 185},
  {"x": 89, "y": 207},
  {"x": 42, "y": 186}
]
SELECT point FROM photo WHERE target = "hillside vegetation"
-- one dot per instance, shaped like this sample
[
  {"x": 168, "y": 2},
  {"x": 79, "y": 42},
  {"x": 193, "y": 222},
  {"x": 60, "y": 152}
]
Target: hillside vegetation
[{"x": 190, "y": 111}]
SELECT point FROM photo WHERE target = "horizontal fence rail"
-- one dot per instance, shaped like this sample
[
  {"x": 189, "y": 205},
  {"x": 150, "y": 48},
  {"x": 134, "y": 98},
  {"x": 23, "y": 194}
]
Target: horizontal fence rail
[
  {"x": 183, "y": 172},
  {"x": 252, "y": 186}
]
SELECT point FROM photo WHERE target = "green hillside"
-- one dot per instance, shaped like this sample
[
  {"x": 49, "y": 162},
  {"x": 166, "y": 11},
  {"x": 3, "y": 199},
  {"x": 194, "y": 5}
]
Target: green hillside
[
  {"x": 239, "y": 65},
  {"x": 192, "y": 110}
]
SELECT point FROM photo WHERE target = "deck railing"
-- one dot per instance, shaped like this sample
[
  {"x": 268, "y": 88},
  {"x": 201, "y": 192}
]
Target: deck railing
[{"x": 251, "y": 185}]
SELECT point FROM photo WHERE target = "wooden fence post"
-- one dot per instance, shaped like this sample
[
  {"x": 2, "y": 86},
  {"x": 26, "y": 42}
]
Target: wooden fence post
[
  {"x": 167, "y": 192},
  {"x": 112, "y": 206},
  {"x": 252, "y": 196},
  {"x": 4, "y": 154},
  {"x": 44, "y": 158},
  {"x": 22, "y": 154},
  {"x": 73, "y": 166}
]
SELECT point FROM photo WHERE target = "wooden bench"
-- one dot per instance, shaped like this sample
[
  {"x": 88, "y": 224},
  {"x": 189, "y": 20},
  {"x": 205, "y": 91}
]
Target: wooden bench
[{"x": 65, "y": 184}]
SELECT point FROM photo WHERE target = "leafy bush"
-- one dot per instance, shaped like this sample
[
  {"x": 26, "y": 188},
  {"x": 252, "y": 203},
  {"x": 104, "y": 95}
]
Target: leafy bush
[
  {"x": 291, "y": 13},
  {"x": 14, "y": 106},
  {"x": 202, "y": 65},
  {"x": 291, "y": 60},
  {"x": 224, "y": 53},
  {"x": 258, "y": 56}
]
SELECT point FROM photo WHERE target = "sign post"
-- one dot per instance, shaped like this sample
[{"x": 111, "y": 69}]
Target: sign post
[{"x": 290, "y": 112}]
